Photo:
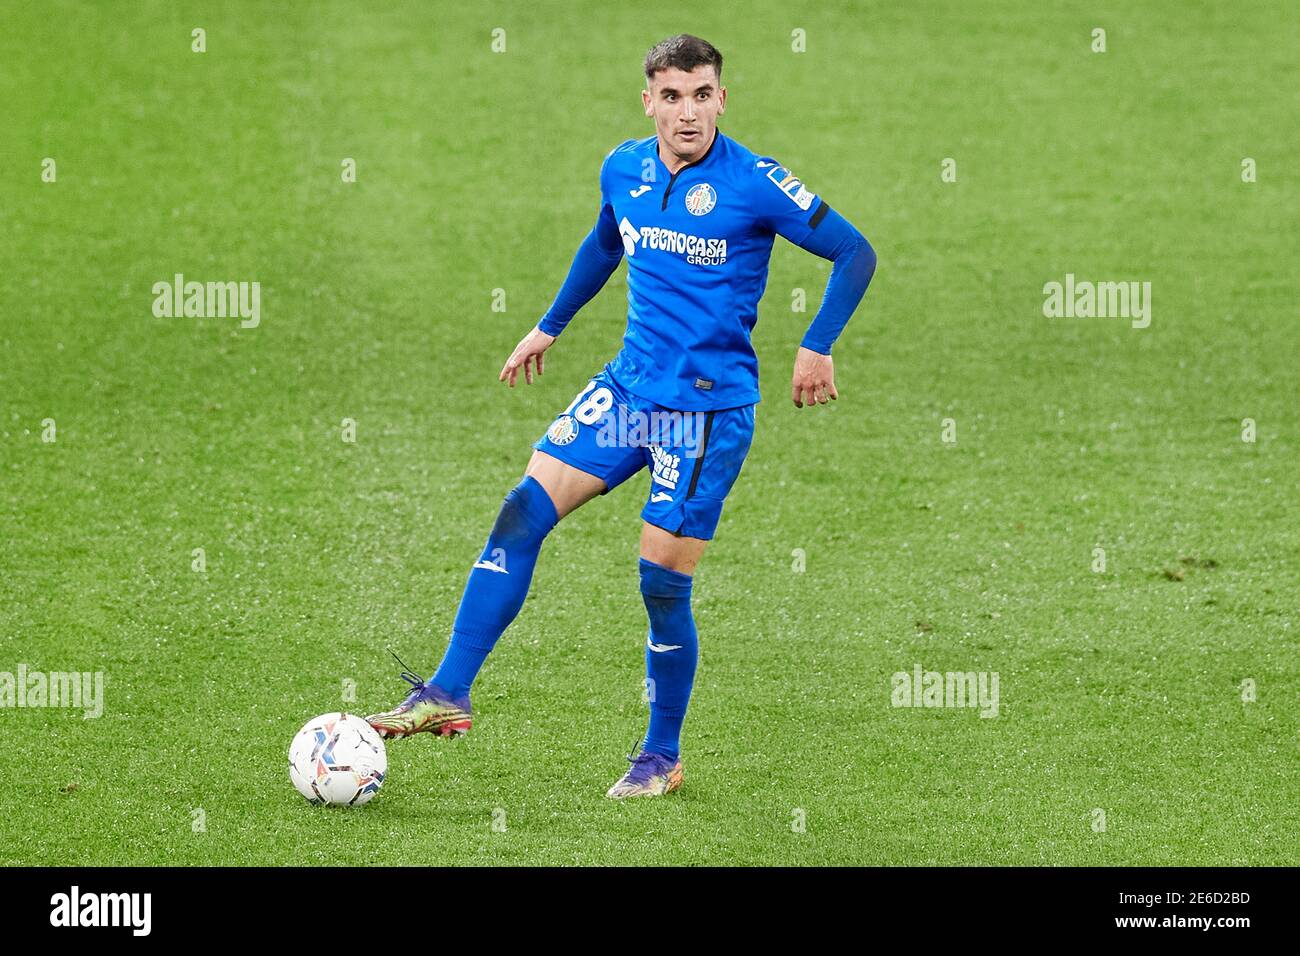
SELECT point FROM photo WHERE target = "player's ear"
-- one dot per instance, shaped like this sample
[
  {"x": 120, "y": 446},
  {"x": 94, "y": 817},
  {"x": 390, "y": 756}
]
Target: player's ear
[
  {"x": 722, "y": 99},
  {"x": 645, "y": 101}
]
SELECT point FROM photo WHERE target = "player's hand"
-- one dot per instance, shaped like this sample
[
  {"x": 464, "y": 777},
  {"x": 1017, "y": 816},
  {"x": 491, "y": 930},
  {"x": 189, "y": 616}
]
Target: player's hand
[
  {"x": 814, "y": 379},
  {"x": 528, "y": 351}
]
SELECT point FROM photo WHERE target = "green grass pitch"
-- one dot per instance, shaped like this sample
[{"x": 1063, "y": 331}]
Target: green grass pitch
[{"x": 1121, "y": 690}]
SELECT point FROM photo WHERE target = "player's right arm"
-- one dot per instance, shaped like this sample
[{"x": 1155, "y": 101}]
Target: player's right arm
[{"x": 596, "y": 260}]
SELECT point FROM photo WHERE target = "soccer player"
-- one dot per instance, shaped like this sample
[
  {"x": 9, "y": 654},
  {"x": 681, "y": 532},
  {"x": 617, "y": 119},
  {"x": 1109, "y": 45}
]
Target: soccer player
[{"x": 695, "y": 213}]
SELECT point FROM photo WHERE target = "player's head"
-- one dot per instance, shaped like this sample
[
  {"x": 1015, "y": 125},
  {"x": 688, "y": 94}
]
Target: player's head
[{"x": 684, "y": 93}]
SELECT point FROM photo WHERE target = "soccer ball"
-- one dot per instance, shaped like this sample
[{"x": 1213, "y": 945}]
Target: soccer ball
[{"x": 337, "y": 759}]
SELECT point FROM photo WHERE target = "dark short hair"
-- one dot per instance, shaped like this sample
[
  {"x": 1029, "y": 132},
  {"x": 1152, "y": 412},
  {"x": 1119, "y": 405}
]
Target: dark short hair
[{"x": 682, "y": 52}]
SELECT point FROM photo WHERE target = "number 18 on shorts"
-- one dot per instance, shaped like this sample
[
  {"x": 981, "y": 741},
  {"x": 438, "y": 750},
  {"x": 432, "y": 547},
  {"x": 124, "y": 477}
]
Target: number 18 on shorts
[{"x": 693, "y": 457}]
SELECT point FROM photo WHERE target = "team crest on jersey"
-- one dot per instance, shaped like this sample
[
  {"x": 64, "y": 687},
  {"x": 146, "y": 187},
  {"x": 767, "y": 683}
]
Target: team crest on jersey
[
  {"x": 563, "y": 431},
  {"x": 791, "y": 185},
  {"x": 701, "y": 199}
]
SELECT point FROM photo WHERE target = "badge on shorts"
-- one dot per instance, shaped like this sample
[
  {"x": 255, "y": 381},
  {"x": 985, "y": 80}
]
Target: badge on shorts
[
  {"x": 563, "y": 431},
  {"x": 704, "y": 384}
]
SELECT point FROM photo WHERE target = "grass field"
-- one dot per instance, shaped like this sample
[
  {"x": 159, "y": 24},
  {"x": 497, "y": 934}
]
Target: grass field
[{"x": 1120, "y": 690}]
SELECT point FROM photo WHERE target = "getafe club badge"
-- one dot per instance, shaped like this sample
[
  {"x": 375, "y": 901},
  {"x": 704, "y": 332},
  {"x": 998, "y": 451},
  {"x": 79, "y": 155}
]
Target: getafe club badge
[
  {"x": 700, "y": 199},
  {"x": 563, "y": 431}
]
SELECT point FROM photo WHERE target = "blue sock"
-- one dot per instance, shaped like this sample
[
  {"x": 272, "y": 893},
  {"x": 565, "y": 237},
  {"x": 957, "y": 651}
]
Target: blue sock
[
  {"x": 497, "y": 584},
  {"x": 670, "y": 669}
]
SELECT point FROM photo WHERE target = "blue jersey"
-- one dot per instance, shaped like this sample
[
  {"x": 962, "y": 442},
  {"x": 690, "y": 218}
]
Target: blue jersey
[{"x": 697, "y": 244}]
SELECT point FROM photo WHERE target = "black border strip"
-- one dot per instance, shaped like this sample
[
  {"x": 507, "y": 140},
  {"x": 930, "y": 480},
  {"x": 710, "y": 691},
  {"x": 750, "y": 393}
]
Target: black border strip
[
  {"x": 699, "y": 462},
  {"x": 819, "y": 215}
]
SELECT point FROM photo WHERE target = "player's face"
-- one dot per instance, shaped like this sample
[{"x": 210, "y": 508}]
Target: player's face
[{"x": 685, "y": 107}]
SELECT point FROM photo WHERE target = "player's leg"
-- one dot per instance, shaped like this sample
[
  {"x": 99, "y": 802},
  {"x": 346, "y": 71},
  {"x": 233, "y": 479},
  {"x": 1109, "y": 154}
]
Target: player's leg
[
  {"x": 568, "y": 488},
  {"x": 688, "y": 487},
  {"x": 499, "y": 581},
  {"x": 494, "y": 593},
  {"x": 672, "y": 649},
  {"x": 673, "y": 551},
  {"x": 569, "y": 467}
]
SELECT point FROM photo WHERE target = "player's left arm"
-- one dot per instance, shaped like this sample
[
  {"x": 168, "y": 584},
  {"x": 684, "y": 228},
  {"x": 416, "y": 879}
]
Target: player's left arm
[
  {"x": 834, "y": 238},
  {"x": 810, "y": 223}
]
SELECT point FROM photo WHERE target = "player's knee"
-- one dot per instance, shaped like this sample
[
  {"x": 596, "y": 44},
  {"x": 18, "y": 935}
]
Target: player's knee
[
  {"x": 527, "y": 512},
  {"x": 661, "y": 586}
]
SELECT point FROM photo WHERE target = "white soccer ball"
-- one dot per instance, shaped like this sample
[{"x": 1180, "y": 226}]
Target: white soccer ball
[{"x": 337, "y": 759}]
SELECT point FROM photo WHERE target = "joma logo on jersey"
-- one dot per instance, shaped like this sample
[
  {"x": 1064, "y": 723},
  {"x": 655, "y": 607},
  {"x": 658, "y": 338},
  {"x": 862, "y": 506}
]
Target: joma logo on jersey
[
  {"x": 698, "y": 250},
  {"x": 666, "y": 471}
]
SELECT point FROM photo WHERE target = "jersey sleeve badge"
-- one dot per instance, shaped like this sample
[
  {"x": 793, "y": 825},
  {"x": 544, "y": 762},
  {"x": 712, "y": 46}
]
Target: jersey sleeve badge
[{"x": 786, "y": 181}]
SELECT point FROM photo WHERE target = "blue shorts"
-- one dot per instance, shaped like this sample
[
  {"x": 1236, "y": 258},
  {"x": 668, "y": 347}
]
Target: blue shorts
[{"x": 693, "y": 457}]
